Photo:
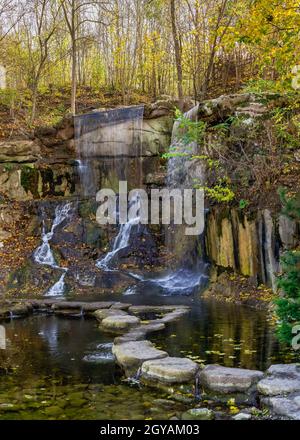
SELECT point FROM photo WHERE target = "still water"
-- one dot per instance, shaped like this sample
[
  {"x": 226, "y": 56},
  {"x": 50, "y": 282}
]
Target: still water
[{"x": 62, "y": 368}]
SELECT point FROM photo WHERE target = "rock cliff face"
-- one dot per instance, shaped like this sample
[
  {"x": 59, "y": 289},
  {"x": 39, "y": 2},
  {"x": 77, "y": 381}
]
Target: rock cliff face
[
  {"x": 250, "y": 246},
  {"x": 46, "y": 166},
  {"x": 40, "y": 173},
  {"x": 44, "y": 169},
  {"x": 241, "y": 136}
]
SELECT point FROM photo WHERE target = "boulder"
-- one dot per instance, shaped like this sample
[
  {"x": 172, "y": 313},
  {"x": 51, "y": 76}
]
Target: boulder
[
  {"x": 19, "y": 151},
  {"x": 156, "y": 135},
  {"x": 223, "y": 380},
  {"x": 165, "y": 106},
  {"x": 131, "y": 355},
  {"x": 11, "y": 184},
  {"x": 170, "y": 370}
]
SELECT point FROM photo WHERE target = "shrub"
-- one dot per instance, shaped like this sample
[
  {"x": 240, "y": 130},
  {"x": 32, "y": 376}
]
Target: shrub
[{"x": 288, "y": 306}]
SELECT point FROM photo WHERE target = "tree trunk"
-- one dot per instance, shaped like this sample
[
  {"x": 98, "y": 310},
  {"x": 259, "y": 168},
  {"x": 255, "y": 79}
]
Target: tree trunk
[
  {"x": 74, "y": 78},
  {"x": 177, "y": 52},
  {"x": 34, "y": 102}
]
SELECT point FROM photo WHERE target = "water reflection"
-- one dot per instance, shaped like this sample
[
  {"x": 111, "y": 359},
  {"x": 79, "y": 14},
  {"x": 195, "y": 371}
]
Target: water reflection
[{"x": 226, "y": 334}]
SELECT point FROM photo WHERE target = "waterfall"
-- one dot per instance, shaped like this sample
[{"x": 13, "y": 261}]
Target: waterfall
[
  {"x": 43, "y": 255},
  {"x": 123, "y": 238},
  {"x": 59, "y": 288},
  {"x": 105, "y": 141},
  {"x": 178, "y": 176},
  {"x": 190, "y": 273},
  {"x": 107, "y": 144}
]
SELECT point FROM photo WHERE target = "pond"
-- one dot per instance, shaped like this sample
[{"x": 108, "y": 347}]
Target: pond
[{"x": 63, "y": 368}]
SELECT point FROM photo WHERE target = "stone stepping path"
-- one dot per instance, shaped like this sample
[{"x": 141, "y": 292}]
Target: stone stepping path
[
  {"x": 131, "y": 355},
  {"x": 170, "y": 370},
  {"x": 278, "y": 389}
]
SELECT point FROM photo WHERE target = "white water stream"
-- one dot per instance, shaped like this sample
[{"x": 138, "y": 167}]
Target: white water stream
[{"x": 44, "y": 255}]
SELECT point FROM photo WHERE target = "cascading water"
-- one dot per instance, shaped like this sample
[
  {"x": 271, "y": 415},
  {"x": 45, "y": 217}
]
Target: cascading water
[
  {"x": 59, "y": 287},
  {"x": 44, "y": 255},
  {"x": 123, "y": 238},
  {"x": 190, "y": 273},
  {"x": 106, "y": 143},
  {"x": 182, "y": 172}
]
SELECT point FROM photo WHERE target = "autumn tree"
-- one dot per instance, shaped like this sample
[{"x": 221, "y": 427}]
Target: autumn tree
[
  {"x": 177, "y": 49},
  {"x": 39, "y": 26}
]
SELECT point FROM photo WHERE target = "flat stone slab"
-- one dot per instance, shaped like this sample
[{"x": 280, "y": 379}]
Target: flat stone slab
[
  {"x": 92, "y": 307},
  {"x": 119, "y": 322},
  {"x": 135, "y": 334},
  {"x": 131, "y": 355},
  {"x": 121, "y": 306},
  {"x": 105, "y": 313},
  {"x": 56, "y": 304},
  {"x": 288, "y": 407},
  {"x": 173, "y": 316},
  {"x": 170, "y": 370},
  {"x": 277, "y": 386},
  {"x": 76, "y": 304},
  {"x": 282, "y": 379},
  {"x": 139, "y": 333},
  {"x": 157, "y": 309},
  {"x": 152, "y": 326},
  {"x": 286, "y": 370},
  {"x": 229, "y": 380}
]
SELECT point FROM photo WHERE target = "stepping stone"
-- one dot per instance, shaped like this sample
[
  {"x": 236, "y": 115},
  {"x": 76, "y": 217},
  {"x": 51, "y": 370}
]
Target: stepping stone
[
  {"x": 229, "y": 380},
  {"x": 286, "y": 370},
  {"x": 157, "y": 309},
  {"x": 173, "y": 316},
  {"x": 102, "y": 314},
  {"x": 119, "y": 323},
  {"x": 150, "y": 309},
  {"x": 80, "y": 305},
  {"x": 170, "y": 370},
  {"x": 152, "y": 326},
  {"x": 282, "y": 379},
  {"x": 131, "y": 355},
  {"x": 92, "y": 307},
  {"x": 121, "y": 306},
  {"x": 277, "y": 386},
  {"x": 133, "y": 335},
  {"x": 284, "y": 406},
  {"x": 139, "y": 333}
]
